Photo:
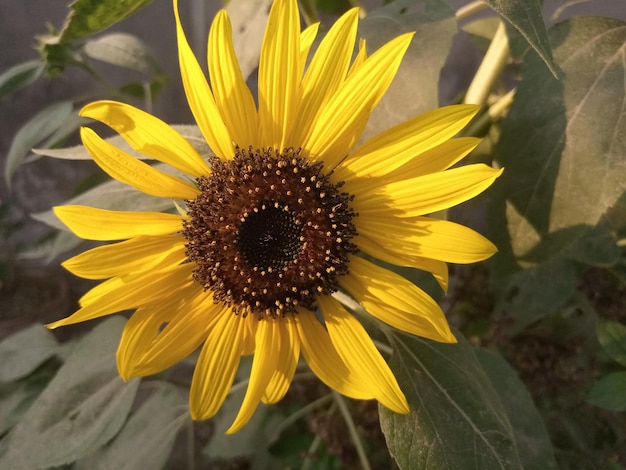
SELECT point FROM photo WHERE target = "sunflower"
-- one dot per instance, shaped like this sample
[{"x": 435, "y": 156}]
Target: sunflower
[{"x": 286, "y": 210}]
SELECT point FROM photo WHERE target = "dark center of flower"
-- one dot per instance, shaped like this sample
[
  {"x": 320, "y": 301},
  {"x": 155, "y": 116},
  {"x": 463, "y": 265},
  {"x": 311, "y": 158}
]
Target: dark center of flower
[
  {"x": 269, "y": 232},
  {"x": 270, "y": 237}
]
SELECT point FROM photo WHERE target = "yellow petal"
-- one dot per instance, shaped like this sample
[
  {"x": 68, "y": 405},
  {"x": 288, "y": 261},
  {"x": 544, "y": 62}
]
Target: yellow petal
[
  {"x": 268, "y": 346},
  {"x": 91, "y": 223},
  {"x": 138, "y": 254},
  {"x": 287, "y": 362},
  {"x": 437, "y": 159},
  {"x": 279, "y": 68},
  {"x": 427, "y": 237},
  {"x": 358, "y": 352},
  {"x": 181, "y": 336},
  {"x": 216, "y": 367},
  {"x": 139, "y": 332},
  {"x": 148, "y": 135},
  {"x": 360, "y": 56},
  {"x": 343, "y": 118},
  {"x": 232, "y": 95},
  {"x": 200, "y": 98},
  {"x": 322, "y": 358},
  {"x": 118, "y": 294},
  {"x": 249, "y": 338},
  {"x": 396, "y": 301},
  {"x": 438, "y": 269},
  {"x": 129, "y": 170},
  {"x": 422, "y": 195},
  {"x": 327, "y": 70},
  {"x": 396, "y": 146},
  {"x": 147, "y": 347},
  {"x": 306, "y": 41}
]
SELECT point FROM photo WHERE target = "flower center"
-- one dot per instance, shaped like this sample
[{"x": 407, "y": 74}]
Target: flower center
[
  {"x": 269, "y": 232},
  {"x": 270, "y": 237}
]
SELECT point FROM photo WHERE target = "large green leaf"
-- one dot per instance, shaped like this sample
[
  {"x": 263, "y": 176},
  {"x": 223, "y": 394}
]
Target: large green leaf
[
  {"x": 525, "y": 16},
  {"x": 24, "y": 351},
  {"x": 147, "y": 438},
  {"x": 562, "y": 143},
  {"x": 533, "y": 443},
  {"x": 562, "y": 148},
  {"x": 416, "y": 85},
  {"x": 19, "y": 76},
  {"x": 40, "y": 126},
  {"x": 123, "y": 50},
  {"x": 82, "y": 408},
  {"x": 456, "y": 418},
  {"x": 17, "y": 397}
]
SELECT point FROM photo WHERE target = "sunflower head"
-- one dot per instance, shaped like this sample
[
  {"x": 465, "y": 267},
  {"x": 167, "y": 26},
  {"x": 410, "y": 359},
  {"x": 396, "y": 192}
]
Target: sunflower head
[
  {"x": 284, "y": 240},
  {"x": 287, "y": 209}
]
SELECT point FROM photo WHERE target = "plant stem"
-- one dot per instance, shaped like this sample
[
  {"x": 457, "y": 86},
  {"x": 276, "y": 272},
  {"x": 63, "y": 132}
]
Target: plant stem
[
  {"x": 481, "y": 123},
  {"x": 308, "y": 460},
  {"x": 191, "y": 464},
  {"x": 490, "y": 68},
  {"x": 356, "y": 439},
  {"x": 469, "y": 9},
  {"x": 299, "y": 414},
  {"x": 499, "y": 109},
  {"x": 99, "y": 78}
]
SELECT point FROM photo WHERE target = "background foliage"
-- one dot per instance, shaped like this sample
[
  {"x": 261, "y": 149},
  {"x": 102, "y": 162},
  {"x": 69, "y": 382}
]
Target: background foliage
[{"x": 538, "y": 379}]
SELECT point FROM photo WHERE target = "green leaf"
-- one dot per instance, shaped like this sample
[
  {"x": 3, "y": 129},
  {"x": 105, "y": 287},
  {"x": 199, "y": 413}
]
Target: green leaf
[
  {"x": 561, "y": 143},
  {"x": 42, "y": 125},
  {"x": 612, "y": 337},
  {"x": 537, "y": 292},
  {"x": 15, "y": 399},
  {"x": 610, "y": 392},
  {"x": 87, "y": 17},
  {"x": 554, "y": 207},
  {"x": 24, "y": 351},
  {"x": 415, "y": 87},
  {"x": 533, "y": 443},
  {"x": 525, "y": 16},
  {"x": 51, "y": 248},
  {"x": 20, "y": 76},
  {"x": 123, "y": 50},
  {"x": 456, "y": 417},
  {"x": 147, "y": 438},
  {"x": 82, "y": 408}
]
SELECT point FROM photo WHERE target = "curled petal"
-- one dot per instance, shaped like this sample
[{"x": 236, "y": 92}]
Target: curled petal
[
  {"x": 396, "y": 301},
  {"x": 358, "y": 352},
  {"x": 322, "y": 358},
  {"x": 148, "y": 135},
  {"x": 129, "y": 170}
]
